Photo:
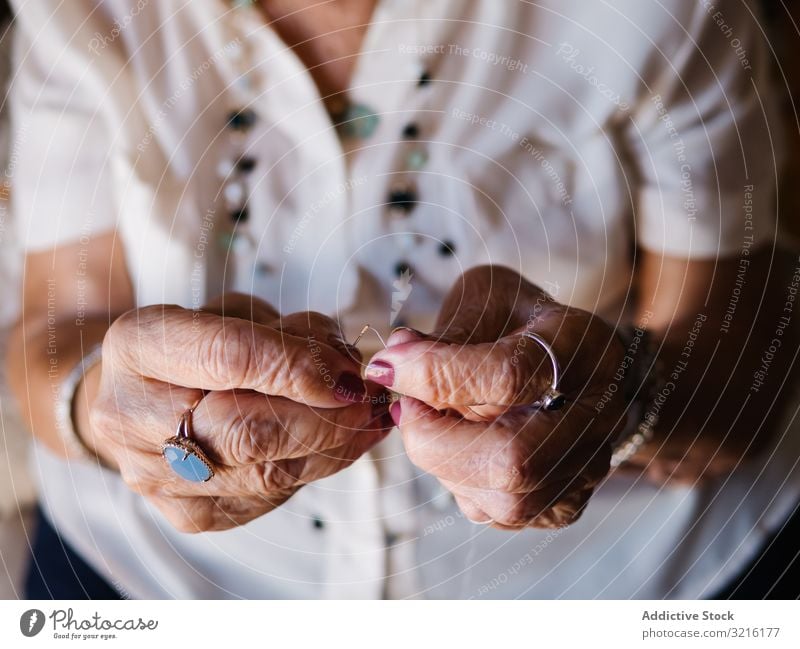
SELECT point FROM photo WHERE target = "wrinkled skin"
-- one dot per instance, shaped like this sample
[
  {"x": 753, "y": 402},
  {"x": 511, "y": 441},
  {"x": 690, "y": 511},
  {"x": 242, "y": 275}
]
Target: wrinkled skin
[
  {"x": 465, "y": 414},
  {"x": 272, "y": 422}
]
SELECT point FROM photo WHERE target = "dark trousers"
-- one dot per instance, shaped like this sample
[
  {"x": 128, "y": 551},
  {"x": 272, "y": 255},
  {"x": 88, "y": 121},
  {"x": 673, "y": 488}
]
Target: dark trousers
[{"x": 56, "y": 571}]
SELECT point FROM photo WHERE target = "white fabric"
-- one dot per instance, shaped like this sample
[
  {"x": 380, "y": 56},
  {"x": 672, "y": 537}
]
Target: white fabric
[{"x": 547, "y": 153}]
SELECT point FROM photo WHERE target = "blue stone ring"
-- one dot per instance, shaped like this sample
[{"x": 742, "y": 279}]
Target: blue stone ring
[{"x": 183, "y": 454}]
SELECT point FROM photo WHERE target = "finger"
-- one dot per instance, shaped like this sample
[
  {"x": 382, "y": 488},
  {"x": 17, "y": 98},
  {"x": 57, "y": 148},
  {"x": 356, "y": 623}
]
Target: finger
[
  {"x": 203, "y": 514},
  {"x": 240, "y": 428},
  {"x": 310, "y": 324},
  {"x": 321, "y": 465},
  {"x": 241, "y": 305},
  {"x": 150, "y": 477},
  {"x": 202, "y": 350},
  {"x": 502, "y": 373},
  {"x": 471, "y": 511},
  {"x": 512, "y": 453},
  {"x": 515, "y": 510},
  {"x": 486, "y": 302}
]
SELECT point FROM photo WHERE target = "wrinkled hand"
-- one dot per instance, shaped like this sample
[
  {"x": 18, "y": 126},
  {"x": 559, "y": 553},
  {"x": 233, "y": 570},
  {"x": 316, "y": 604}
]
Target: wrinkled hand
[
  {"x": 286, "y": 406},
  {"x": 466, "y": 415}
]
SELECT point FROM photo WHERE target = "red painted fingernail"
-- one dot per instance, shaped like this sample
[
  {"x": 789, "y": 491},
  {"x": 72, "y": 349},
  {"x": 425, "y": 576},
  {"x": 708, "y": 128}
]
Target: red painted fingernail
[
  {"x": 350, "y": 388},
  {"x": 395, "y": 410},
  {"x": 381, "y": 372}
]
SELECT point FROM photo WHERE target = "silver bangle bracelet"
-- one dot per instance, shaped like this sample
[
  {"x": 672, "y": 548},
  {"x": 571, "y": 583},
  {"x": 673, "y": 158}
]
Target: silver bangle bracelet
[
  {"x": 643, "y": 380},
  {"x": 64, "y": 406}
]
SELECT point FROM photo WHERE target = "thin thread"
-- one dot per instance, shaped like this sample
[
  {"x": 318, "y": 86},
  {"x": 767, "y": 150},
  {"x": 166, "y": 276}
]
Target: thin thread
[{"x": 364, "y": 330}]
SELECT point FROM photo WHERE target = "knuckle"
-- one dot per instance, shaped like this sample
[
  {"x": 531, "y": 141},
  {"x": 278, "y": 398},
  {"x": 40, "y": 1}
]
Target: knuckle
[
  {"x": 228, "y": 353},
  {"x": 278, "y": 477},
  {"x": 517, "y": 513},
  {"x": 103, "y": 420},
  {"x": 186, "y": 521},
  {"x": 132, "y": 479},
  {"x": 514, "y": 382},
  {"x": 519, "y": 473},
  {"x": 415, "y": 447},
  {"x": 438, "y": 376},
  {"x": 246, "y": 438}
]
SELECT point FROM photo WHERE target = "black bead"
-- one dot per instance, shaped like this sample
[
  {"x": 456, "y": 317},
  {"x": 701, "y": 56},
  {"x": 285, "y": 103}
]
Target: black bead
[
  {"x": 447, "y": 248},
  {"x": 318, "y": 523},
  {"x": 404, "y": 198},
  {"x": 411, "y": 131},
  {"x": 424, "y": 79},
  {"x": 241, "y": 120},
  {"x": 241, "y": 215},
  {"x": 401, "y": 268},
  {"x": 246, "y": 164}
]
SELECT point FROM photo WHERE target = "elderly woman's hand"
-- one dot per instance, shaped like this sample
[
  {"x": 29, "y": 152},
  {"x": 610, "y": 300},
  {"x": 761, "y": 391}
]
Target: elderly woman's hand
[
  {"x": 285, "y": 406},
  {"x": 465, "y": 416}
]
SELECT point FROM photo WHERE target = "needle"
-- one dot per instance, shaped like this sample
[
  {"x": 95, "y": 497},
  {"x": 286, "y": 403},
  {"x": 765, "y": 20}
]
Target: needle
[
  {"x": 394, "y": 395},
  {"x": 364, "y": 330}
]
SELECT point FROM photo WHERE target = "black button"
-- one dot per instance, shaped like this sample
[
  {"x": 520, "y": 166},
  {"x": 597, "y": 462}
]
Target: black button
[
  {"x": 424, "y": 79},
  {"x": 447, "y": 248},
  {"x": 263, "y": 268},
  {"x": 246, "y": 164},
  {"x": 392, "y": 539},
  {"x": 241, "y": 215},
  {"x": 404, "y": 198},
  {"x": 318, "y": 523},
  {"x": 401, "y": 268},
  {"x": 241, "y": 120},
  {"x": 411, "y": 131}
]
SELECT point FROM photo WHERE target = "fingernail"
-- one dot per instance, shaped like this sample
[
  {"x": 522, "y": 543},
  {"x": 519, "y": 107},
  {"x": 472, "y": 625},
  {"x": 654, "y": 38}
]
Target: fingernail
[
  {"x": 416, "y": 332},
  {"x": 381, "y": 372},
  {"x": 395, "y": 410},
  {"x": 402, "y": 335},
  {"x": 350, "y": 388}
]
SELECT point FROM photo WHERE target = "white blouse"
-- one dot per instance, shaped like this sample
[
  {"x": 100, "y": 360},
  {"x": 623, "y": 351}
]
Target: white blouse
[{"x": 551, "y": 137}]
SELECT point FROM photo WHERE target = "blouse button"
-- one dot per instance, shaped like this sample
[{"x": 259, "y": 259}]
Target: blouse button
[
  {"x": 424, "y": 79},
  {"x": 447, "y": 248},
  {"x": 318, "y": 523},
  {"x": 241, "y": 215},
  {"x": 242, "y": 120},
  {"x": 403, "y": 197},
  {"x": 401, "y": 268},
  {"x": 411, "y": 131},
  {"x": 263, "y": 268},
  {"x": 245, "y": 164}
]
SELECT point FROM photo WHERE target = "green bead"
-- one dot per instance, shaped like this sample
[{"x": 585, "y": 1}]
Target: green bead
[
  {"x": 225, "y": 240},
  {"x": 359, "y": 121},
  {"x": 417, "y": 159}
]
